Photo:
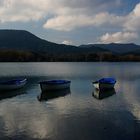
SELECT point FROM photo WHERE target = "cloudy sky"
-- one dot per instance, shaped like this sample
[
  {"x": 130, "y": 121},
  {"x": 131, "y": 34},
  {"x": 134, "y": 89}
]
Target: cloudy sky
[{"x": 74, "y": 21}]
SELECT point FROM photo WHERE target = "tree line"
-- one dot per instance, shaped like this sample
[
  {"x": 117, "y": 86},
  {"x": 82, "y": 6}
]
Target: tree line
[{"x": 27, "y": 56}]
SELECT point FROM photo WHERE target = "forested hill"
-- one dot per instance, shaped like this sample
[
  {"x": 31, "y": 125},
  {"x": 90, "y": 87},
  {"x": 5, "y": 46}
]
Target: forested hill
[
  {"x": 116, "y": 47},
  {"x": 24, "y": 40},
  {"x": 23, "y": 46}
]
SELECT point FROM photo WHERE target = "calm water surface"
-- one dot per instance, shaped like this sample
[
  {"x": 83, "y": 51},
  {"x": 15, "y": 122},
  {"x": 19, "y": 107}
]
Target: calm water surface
[{"x": 78, "y": 115}]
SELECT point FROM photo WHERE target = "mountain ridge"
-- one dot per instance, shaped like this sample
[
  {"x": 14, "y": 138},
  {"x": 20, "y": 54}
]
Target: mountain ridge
[
  {"x": 21, "y": 45},
  {"x": 24, "y": 40},
  {"x": 120, "y": 48}
]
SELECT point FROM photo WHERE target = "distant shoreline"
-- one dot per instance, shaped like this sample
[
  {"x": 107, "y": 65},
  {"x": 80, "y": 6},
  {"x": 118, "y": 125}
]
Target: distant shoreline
[{"x": 27, "y": 56}]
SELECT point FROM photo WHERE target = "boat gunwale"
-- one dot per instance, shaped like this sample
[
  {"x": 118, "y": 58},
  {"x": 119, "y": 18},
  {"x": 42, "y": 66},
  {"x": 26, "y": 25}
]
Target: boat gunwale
[
  {"x": 14, "y": 81},
  {"x": 105, "y": 81},
  {"x": 55, "y": 82}
]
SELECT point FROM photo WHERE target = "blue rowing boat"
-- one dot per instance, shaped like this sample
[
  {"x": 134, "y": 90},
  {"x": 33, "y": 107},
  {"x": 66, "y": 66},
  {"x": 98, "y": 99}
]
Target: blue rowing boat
[
  {"x": 54, "y": 85},
  {"x": 105, "y": 83},
  {"x": 12, "y": 84}
]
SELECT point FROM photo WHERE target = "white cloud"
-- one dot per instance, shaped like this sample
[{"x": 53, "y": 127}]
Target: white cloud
[
  {"x": 132, "y": 22},
  {"x": 67, "y": 42},
  {"x": 129, "y": 24},
  {"x": 130, "y": 28},
  {"x": 74, "y": 13},
  {"x": 136, "y": 11},
  {"x": 67, "y": 15},
  {"x": 67, "y": 19},
  {"x": 13, "y": 10},
  {"x": 119, "y": 37},
  {"x": 69, "y": 22}
]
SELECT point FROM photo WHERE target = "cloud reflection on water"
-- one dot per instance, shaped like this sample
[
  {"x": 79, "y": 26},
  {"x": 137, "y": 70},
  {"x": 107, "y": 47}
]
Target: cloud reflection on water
[{"x": 68, "y": 117}]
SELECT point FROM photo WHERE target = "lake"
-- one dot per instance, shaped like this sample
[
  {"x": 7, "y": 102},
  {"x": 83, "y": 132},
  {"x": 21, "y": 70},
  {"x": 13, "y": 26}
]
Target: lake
[{"x": 77, "y": 115}]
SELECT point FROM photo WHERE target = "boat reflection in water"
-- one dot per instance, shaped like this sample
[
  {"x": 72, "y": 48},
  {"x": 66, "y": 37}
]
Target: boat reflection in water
[
  {"x": 52, "y": 94},
  {"x": 11, "y": 94},
  {"x": 101, "y": 94}
]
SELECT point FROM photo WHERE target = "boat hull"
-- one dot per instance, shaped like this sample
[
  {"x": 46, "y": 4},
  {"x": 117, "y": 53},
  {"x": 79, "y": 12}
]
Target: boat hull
[
  {"x": 45, "y": 86},
  {"x": 12, "y": 85},
  {"x": 103, "y": 85}
]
